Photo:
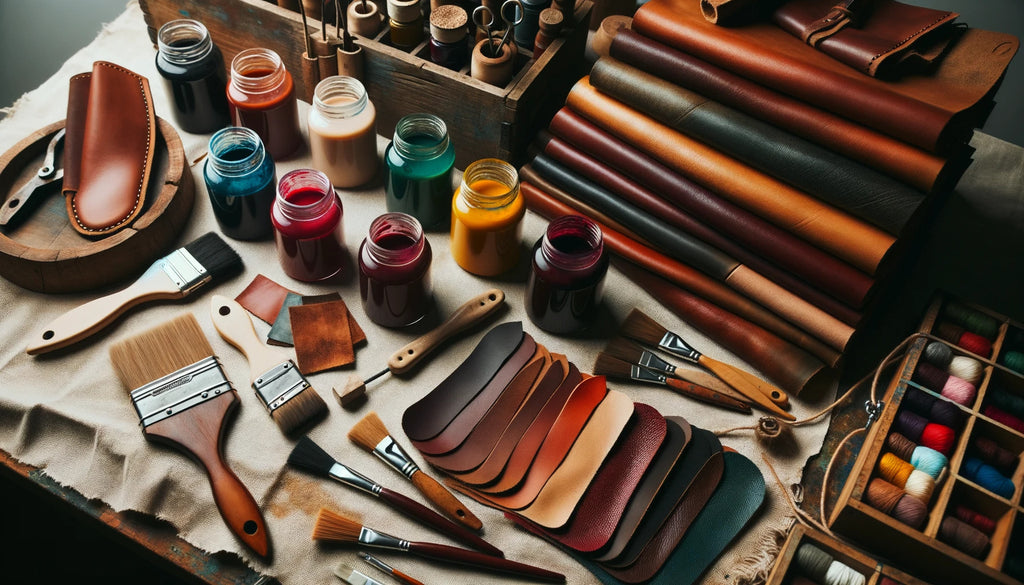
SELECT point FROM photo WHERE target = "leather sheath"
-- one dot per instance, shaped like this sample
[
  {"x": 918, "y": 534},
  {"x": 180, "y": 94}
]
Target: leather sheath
[
  {"x": 428, "y": 416},
  {"x": 933, "y": 112},
  {"x": 263, "y": 298},
  {"x": 830, "y": 229},
  {"x": 539, "y": 413},
  {"x": 702, "y": 287},
  {"x": 323, "y": 340},
  {"x": 605, "y": 500},
  {"x": 112, "y": 142},
  {"x": 830, "y": 177},
  {"x": 457, "y": 429},
  {"x": 911, "y": 165}
]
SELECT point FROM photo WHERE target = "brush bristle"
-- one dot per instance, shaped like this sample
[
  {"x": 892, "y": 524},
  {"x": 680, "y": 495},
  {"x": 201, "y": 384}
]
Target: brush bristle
[
  {"x": 159, "y": 351},
  {"x": 311, "y": 457},
  {"x": 368, "y": 432},
  {"x": 218, "y": 258},
  {"x": 642, "y": 328},
  {"x": 612, "y": 367},
  {"x": 334, "y": 527},
  {"x": 625, "y": 350},
  {"x": 299, "y": 411}
]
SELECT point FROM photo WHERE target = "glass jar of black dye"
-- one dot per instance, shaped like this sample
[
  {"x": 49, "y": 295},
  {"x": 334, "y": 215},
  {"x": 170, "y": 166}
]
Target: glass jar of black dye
[
  {"x": 193, "y": 72},
  {"x": 418, "y": 177},
  {"x": 566, "y": 282},
  {"x": 242, "y": 184}
]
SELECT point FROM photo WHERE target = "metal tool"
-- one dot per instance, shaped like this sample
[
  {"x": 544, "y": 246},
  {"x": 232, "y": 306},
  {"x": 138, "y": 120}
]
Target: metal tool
[
  {"x": 46, "y": 177},
  {"x": 484, "y": 18}
]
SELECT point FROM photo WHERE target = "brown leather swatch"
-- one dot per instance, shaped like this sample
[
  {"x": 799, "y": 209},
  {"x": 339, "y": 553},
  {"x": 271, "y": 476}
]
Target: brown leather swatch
[
  {"x": 357, "y": 333},
  {"x": 263, "y": 298},
  {"x": 281, "y": 329},
  {"x": 322, "y": 337}
]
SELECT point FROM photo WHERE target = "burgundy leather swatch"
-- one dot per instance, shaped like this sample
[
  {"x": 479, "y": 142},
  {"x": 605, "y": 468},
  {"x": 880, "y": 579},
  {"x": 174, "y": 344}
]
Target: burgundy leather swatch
[
  {"x": 429, "y": 415},
  {"x": 456, "y": 430},
  {"x": 263, "y": 298}
]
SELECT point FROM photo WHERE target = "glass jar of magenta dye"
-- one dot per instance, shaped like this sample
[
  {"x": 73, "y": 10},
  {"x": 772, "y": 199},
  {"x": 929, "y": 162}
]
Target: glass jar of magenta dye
[
  {"x": 241, "y": 182},
  {"x": 192, "y": 68},
  {"x": 487, "y": 218},
  {"x": 418, "y": 176},
  {"x": 308, "y": 230},
  {"x": 566, "y": 283},
  {"x": 261, "y": 95},
  {"x": 394, "y": 271}
]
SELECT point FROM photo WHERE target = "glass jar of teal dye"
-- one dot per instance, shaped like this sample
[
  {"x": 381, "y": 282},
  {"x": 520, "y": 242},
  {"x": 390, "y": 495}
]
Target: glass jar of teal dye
[{"x": 418, "y": 177}]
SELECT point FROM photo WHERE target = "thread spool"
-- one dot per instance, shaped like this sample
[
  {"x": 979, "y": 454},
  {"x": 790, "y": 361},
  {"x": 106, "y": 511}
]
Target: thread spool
[
  {"x": 1015, "y": 361},
  {"x": 975, "y": 519},
  {"x": 841, "y": 574},
  {"x": 963, "y": 537},
  {"x": 966, "y": 368},
  {"x": 918, "y": 401},
  {"x": 813, "y": 562},
  {"x": 894, "y": 470},
  {"x": 975, "y": 343},
  {"x": 1006, "y": 401},
  {"x": 364, "y": 19},
  {"x": 901, "y": 446},
  {"x": 910, "y": 425},
  {"x": 959, "y": 390},
  {"x": 938, "y": 353},
  {"x": 990, "y": 452},
  {"x": 1004, "y": 418},
  {"x": 920, "y": 485},
  {"x": 947, "y": 414},
  {"x": 929, "y": 461},
  {"x": 930, "y": 376},
  {"x": 949, "y": 331},
  {"x": 938, "y": 437},
  {"x": 891, "y": 500},
  {"x": 971, "y": 320},
  {"x": 987, "y": 477}
]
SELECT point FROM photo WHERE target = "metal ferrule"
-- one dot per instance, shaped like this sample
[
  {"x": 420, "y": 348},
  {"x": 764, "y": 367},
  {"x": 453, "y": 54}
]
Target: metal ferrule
[
  {"x": 675, "y": 345},
  {"x": 279, "y": 385},
  {"x": 393, "y": 454},
  {"x": 190, "y": 386},
  {"x": 371, "y": 537},
  {"x": 641, "y": 374},
  {"x": 182, "y": 268},
  {"x": 354, "y": 479},
  {"x": 649, "y": 360}
]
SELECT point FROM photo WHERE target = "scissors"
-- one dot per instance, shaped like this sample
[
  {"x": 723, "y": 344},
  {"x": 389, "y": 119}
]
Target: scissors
[
  {"x": 484, "y": 18},
  {"x": 48, "y": 175}
]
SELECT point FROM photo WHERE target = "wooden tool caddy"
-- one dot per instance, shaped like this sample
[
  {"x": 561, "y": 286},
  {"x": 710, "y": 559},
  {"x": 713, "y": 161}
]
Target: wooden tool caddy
[
  {"x": 483, "y": 120},
  {"x": 921, "y": 551}
]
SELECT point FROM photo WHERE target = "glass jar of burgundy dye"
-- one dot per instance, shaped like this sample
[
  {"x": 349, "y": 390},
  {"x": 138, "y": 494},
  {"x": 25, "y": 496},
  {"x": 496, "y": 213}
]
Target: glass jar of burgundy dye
[
  {"x": 566, "y": 284},
  {"x": 193, "y": 72},
  {"x": 394, "y": 271},
  {"x": 261, "y": 94},
  {"x": 307, "y": 226},
  {"x": 240, "y": 180}
]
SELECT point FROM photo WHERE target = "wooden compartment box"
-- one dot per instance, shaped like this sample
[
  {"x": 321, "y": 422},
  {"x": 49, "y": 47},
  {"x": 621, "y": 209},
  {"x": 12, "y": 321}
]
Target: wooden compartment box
[
  {"x": 924, "y": 551},
  {"x": 483, "y": 120}
]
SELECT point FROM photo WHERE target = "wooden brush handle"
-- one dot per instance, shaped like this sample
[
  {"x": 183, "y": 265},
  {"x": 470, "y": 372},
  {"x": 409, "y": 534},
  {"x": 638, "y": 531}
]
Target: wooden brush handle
[
  {"x": 707, "y": 395},
  {"x": 198, "y": 431},
  {"x": 732, "y": 377},
  {"x": 235, "y": 326},
  {"x": 425, "y": 515},
  {"x": 774, "y": 393},
  {"x": 85, "y": 320},
  {"x": 444, "y": 500},
  {"x": 470, "y": 313},
  {"x": 471, "y": 558}
]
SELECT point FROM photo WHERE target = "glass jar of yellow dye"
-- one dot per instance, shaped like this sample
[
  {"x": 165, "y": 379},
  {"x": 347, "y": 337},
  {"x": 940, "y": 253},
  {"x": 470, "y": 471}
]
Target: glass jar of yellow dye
[{"x": 487, "y": 218}]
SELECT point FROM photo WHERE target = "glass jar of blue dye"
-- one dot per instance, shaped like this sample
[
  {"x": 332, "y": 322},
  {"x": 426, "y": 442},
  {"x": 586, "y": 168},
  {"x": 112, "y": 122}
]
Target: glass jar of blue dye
[
  {"x": 242, "y": 183},
  {"x": 418, "y": 178}
]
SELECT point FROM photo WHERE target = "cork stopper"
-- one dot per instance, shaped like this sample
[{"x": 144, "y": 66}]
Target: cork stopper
[
  {"x": 404, "y": 11},
  {"x": 448, "y": 24},
  {"x": 610, "y": 26},
  {"x": 550, "y": 21}
]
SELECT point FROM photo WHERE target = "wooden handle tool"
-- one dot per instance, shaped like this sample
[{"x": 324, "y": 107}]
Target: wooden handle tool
[{"x": 443, "y": 499}]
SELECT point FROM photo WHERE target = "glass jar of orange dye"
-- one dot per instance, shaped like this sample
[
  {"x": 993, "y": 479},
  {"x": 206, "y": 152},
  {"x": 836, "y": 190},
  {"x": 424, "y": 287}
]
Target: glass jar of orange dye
[{"x": 487, "y": 218}]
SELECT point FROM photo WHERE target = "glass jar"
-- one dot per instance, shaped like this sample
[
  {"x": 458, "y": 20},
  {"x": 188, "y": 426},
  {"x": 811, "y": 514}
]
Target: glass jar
[
  {"x": 262, "y": 97},
  {"x": 526, "y": 31},
  {"x": 418, "y": 175},
  {"x": 192, "y": 68},
  {"x": 307, "y": 226},
  {"x": 448, "y": 29},
  {"x": 240, "y": 180},
  {"x": 406, "y": 35},
  {"x": 487, "y": 214},
  {"x": 394, "y": 271},
  {"x": 566, "y": 281},
  {"x": 343, "y": 131}
]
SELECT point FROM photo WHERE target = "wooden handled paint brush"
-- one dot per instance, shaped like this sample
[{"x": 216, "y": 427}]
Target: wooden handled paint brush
[
  {"x": 644, "y": 329},
  {"x": 632, "y": 352},
  {"x": 281, "y": 388},
  {"x": 353, "y": 577},
  {"x": 371, "y": 434},
  {"x": 177, "y": 275},
  {"x": 374, "y": 561},
  {"x": 612, "y": 367},
  {"x": 309, "y": 456},
  {"x": 183, "y": 399},
  {"x": 333, "y": 527}
]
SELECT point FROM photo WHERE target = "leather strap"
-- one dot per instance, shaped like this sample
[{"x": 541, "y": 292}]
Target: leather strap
[
  {"x": 263, "y": 298},
  {"x": 428, "y": 416},
  {"x": 458, "y": 428}
]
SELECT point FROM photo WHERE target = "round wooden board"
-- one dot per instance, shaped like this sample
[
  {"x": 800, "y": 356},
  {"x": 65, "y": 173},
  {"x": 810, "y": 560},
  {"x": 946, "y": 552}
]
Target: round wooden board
[{"x": 42, "y": 252}]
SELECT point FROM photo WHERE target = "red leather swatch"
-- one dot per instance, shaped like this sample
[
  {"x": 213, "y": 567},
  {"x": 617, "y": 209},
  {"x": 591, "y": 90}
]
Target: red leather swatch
[{"x": 263, "y": 298}]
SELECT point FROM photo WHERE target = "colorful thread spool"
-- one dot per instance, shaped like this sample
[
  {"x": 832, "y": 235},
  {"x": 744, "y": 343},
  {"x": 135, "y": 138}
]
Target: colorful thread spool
[
  {"x": 894, "y": 470},
  {"x": 938, "y": 353},
  {"x": 971, "y": 320},
  {"x": 1006, "y": 401},
  {"x": 966, "y": 368},
  {"x": 910, "y": 425},
  {"x": 920, "y": 485},
  {"x": 959, "y": 390},
  {"x": 938, "y": 437},
  {"x": 963, "y": 537},
  {"x": 988, "y": 477},
  {"x": 900, "y": 445},
  {"x": 975, "y": 343},
  {"x": 975, "y": 519},
  {"x": 1015, "y": 361},
  {"x": 990, "y": 452},
  {"x": 930, "y": 376},
  {"x": 1003, "y": 417},
  {"x": 929, "y": 461},
  {"x": 891, "y": 500},
  {"x": 918, "y": 401},
  {"x": 949, "y": 331},
  {"x": 821, "y": 567},
  {"x": 947, "y": 414}
]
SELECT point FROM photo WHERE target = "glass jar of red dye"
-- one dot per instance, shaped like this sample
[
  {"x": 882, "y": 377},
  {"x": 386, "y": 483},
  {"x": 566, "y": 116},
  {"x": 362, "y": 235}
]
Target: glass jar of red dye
[
  {"x": 566, "y": 284},
  {"x": 307, "y": 226},
  {"x": 261, "y": 96},
  {"x": 394, "y": 271}
]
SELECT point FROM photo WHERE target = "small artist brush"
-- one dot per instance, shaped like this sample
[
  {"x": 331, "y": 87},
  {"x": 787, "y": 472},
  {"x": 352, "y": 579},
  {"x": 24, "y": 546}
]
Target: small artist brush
[
  {"x": 183, "y": 399},
  {"x": 333, "y": 527},
  {"x": 374, "y": 561},
  {"x": 371, "y": 434},
  {"x": 177, "y": 275},
  {"x": 353, "y": 577},
  {"x": 282, "y": 389},
  {"x": 644, "y": 329},
  {"x": 629, "y": 351},
  {"x": 612, "y": 367},
  {"x": 309, "y": 456}
]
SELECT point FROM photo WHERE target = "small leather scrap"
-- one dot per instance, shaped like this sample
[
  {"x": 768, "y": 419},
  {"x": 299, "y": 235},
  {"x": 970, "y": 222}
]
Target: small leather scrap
[
  {"x": 322, "y": 337},
  {"x": 263, "y": 298},
  {"x": 281, "y": 331}
]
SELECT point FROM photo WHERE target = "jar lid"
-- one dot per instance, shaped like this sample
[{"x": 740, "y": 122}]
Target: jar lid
[
  {"x": 404, "y": 10},
  {"x": 550, "y": 21},
  {"x": 448, "y": 23}
]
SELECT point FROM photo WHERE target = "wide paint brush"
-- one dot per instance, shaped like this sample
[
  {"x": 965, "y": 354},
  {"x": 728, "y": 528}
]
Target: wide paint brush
[
  {"x": 281, "y": 388},
  {"x": 309, "y": 456},
  {"x": 371, "y": 434},
  {"x": 177, "y": 275},
  {"x": 333, "y": 527},
  {"x": 183, "y": 399}
]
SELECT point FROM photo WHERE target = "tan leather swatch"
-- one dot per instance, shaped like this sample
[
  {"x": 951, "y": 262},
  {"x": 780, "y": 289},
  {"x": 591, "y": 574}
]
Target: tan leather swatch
[{"x": 322, "y": 336}]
